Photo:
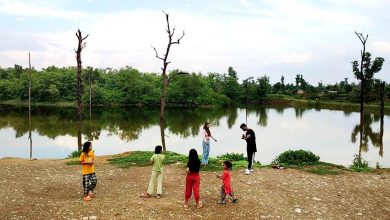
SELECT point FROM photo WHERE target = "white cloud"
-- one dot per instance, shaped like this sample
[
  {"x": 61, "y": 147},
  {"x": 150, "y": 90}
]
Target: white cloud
[{"x": 382, "y": 46}]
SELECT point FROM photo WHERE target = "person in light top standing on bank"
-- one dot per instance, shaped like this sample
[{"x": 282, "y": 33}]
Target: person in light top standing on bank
[
  {"x": 206, "y": 135},
  {"x": 250, "y": 138}
]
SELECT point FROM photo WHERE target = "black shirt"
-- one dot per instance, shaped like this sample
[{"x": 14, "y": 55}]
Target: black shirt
[
  {"x": 251, "y": 141},
  {"x": 194, "y": 166}
]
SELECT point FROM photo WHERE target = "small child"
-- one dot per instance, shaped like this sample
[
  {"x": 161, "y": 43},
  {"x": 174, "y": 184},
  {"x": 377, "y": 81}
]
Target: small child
[
  {"x": 193, "y": 179},
  {"x": 226, "y": 187},
  {"x": 87, "y": 158},
  {"x": 157, "y": 173}
]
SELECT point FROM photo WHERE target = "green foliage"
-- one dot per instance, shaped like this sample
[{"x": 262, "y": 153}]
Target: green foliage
[
  {"x": 359, "y": 164},
  {"x": 141, "y": 158},
  {"x": 232, "y": 157},
  {"x": 72, "y": 162},
  {"x": 75, "y": 154},
  {"x": 297, "y": 157}
]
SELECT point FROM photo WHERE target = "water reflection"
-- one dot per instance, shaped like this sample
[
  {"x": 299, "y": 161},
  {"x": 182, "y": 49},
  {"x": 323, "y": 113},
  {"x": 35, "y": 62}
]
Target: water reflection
[
  {"x": 368, "y": 134},
  {"x": 278, "y": 128}
]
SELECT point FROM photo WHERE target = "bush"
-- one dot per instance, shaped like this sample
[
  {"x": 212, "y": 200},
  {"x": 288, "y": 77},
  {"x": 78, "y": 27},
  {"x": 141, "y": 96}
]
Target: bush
[
  {"x": 74, "y": 154},
  {"x": 359, "y": 164},
  {"x": 232, "y": 157},
  {"x": 297, "y": 157}
]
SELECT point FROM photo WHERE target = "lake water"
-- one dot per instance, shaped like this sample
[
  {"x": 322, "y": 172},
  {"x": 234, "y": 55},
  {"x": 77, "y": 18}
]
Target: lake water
[{"x": 327, "y": 133}]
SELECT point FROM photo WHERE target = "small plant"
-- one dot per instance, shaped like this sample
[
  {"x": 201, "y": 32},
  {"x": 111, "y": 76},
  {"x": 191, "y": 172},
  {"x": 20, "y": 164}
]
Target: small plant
[
  {"x": 359, "y": 164},
  {"x": 232, "y": 157},
  {"x": 75, "y": 154},
  {"x": 297, "y": 157}
]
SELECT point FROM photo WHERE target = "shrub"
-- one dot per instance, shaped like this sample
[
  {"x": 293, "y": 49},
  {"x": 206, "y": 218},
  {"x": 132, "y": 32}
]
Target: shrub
[
  {"x": 297, "y": 157},
  {"x": 74, "y": 154},
  {"x": 232, "y": 157},
  {"x": 359, "y": 164}
]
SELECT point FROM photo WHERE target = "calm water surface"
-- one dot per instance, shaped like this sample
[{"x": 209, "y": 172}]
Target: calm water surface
[{"x": 329, "y": 134}]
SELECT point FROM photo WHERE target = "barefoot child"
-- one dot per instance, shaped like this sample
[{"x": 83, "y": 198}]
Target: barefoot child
[
  {"x": 157, "y": 173},
  {"x": 193, "y": 179},
  {"x": 226, "y": 187},
  {"x": 87, "y": 158}
]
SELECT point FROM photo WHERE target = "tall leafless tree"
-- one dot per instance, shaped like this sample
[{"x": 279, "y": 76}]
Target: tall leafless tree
[
  {"x": 29, "y": 102},
  {"x": 363, "y": 40},
  {"x": 165, "y": 78},
  {"x": 81, "y": 45}
]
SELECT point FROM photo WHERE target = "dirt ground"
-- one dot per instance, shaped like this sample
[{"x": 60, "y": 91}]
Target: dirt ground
[{"x": 49, "y": 189}]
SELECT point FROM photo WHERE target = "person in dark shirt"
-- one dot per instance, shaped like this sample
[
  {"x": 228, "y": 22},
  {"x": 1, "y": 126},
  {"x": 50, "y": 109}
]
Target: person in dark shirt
[
  {"x": 193, "y": 179},
  {"x": 250, "y": 138}
]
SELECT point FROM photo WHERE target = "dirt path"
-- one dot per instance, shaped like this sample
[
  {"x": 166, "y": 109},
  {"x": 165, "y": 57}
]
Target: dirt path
[{"x": 49, "y": 189}]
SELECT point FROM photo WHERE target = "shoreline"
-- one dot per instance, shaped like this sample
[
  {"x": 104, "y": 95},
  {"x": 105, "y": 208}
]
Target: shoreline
[
  {"x": 274, "y": 101},
  {"x": 52, "y": 190}
]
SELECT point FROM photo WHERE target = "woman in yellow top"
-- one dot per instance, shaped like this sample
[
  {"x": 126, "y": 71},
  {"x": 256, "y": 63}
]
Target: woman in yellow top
[{"x": 87, "y": 158}]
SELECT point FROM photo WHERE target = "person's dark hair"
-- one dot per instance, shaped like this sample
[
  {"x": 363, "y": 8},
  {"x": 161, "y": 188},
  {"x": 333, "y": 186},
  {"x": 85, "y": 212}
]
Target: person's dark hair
[
  {"x": 243, "y": 126},
  {"x": 158, "y": 149},
  {"x": 207, "y": 128},
  {"x": 193, "y": 161},
  {"x": 86, "y": 146},
  {"x": 228, "y": 164}
]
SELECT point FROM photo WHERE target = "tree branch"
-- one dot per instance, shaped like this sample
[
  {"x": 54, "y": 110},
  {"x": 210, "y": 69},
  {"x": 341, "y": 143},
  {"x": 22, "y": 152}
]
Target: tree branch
[
  {"x": 157, "y": 56},
  {"x": 175, "y": 75},
  {"x": 85, "y": 37},
  {"x": 178, "y": 40}
]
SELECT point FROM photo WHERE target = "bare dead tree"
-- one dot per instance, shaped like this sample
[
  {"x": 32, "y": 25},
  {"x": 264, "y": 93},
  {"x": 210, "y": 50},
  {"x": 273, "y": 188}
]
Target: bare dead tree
[
  {"x": 363, "y": 40},
  {"x": 382, "y": 106},
  {"x": 81, "y": 45},
  {"x": 29, "y": 102},
  {"x": 165, "y": 78}
]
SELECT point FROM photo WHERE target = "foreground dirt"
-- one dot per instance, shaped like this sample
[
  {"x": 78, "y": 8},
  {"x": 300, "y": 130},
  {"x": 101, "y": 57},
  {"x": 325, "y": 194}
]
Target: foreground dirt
[{"x": 49, "y": 189}]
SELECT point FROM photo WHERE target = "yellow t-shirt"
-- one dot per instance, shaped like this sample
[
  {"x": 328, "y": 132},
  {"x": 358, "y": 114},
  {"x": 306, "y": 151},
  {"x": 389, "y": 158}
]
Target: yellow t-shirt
[{"x": 87, "y": 168}]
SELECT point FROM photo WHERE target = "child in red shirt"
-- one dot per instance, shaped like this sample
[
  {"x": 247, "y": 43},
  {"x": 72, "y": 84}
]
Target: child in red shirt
[{"x": 226, "y": 187}]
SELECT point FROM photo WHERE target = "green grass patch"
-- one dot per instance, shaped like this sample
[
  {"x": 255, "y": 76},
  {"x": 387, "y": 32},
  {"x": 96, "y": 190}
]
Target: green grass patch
[
  {"x": 72, "y": 162},
  {"x": 75, "y": 154},
  {"x": 141, "y": 158}
]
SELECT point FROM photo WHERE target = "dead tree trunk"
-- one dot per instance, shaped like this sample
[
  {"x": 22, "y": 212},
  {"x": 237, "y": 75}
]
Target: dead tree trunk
[
  {"x": 363, "y": 40},
  {"x": 29, "y": 103},
  {"x": 165, "y": 79},
  {"x": 382, "y": 99},
  {"x": 80, "y": 47}
]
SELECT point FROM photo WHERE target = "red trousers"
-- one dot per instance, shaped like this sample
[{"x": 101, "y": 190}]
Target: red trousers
[{"x": 192, "y": 184}]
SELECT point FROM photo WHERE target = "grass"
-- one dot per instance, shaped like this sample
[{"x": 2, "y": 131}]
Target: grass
[
  {"x": 323, "y": 168},
  {"x": 141, "y": 158},
  {"x": 72, "y": 162}
]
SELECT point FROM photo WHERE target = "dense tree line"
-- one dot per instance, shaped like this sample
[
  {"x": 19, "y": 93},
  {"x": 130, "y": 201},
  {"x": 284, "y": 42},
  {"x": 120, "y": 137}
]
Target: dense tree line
[{"x": 132, "y": 87}]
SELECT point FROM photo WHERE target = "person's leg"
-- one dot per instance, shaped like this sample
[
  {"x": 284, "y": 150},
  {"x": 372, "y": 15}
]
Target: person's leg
[
  {"x": 152, "y": 181},
  {"x": 204, "y": 146},
  {"x": 159, "y": 183},
  {"x": 93, "y": 183},
  {"x": 86, "y": 185},
  {"x": 250, "y": 159},
  {"x": 223, "y": 195},
  {"x": 207, "y": 153},
  {"x": 233, "y": 197},
  {"x": 188, "y": 190},
  {"x": 253, "y": 160},
  {"x": 196, "y": 188}
]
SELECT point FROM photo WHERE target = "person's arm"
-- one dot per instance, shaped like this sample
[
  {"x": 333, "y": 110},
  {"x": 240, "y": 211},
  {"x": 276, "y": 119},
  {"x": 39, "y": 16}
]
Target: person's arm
[
  {"x": 213, "y": 138},
  {"x": 151, "y": 160}
]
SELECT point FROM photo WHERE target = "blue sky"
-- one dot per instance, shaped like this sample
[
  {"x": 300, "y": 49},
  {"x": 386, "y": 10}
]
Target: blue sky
[{"x": 272, "y": 37}]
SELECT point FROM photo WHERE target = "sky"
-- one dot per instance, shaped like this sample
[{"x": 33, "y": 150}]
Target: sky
[{"x": 263, "y": 37}]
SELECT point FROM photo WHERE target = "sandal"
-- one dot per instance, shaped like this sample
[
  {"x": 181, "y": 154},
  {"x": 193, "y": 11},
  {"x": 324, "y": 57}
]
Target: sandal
[
  {"x": 87, "y": 198},
  {"x": 90, "y": 194},
  {"x": 158, "y": 196},
  {"x": 222, "y": 202},
  {"x": 144, "y": 195},
  {"x": 235, "y": 200},
  {"x": 185, "y": 205}
]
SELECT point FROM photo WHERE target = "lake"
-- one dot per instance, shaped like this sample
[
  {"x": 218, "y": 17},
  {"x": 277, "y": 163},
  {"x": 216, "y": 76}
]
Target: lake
[{"x": 331, "y": 134}]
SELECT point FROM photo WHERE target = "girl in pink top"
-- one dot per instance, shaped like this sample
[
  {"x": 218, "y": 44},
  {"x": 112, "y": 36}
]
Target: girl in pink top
[{"x": 206, "y": 135}]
